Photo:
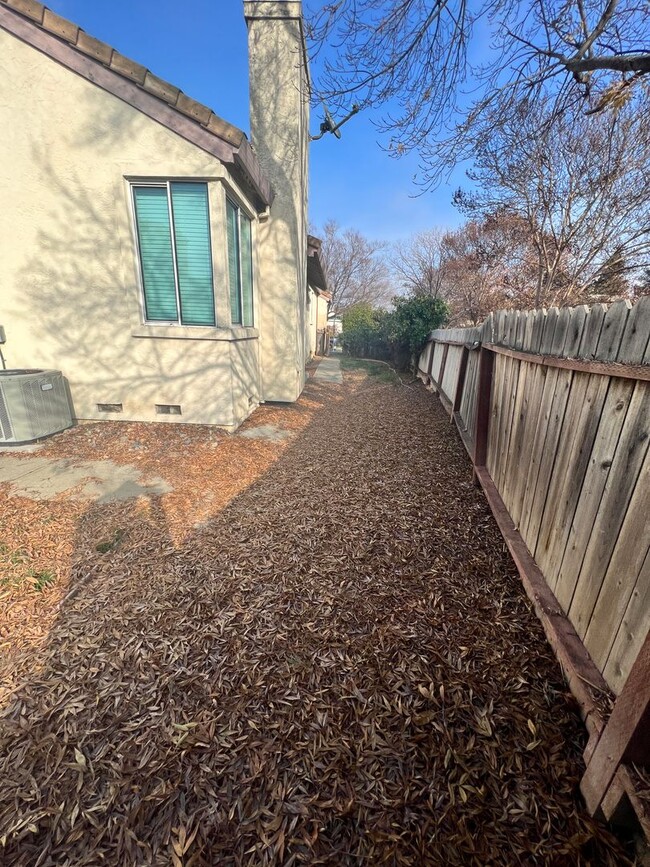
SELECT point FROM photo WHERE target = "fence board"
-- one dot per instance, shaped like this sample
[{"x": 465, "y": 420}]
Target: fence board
[
  {"x": 516, "y": 422},
  {"x": 438, "y": 353},
  {"x": 468, "y": 401},
  {"x": 632, "y": 632},
  {"x": 603, "y": 452},
  {"x": 621, "y": 479},
  {"x": 497, "y": 413},
  {"x": 612, "y": 330},
  {"x": 588, "y": 398},
  {"x": 553, "y": 444},
  {"x": 635, "y": 343},
  {"x": 472, "y": 403},
  {"x": 621, "y": 578},
  {"x": 451, "y": 372},
  {"x": 511, "y": 375},
  {"x": 424, "y": 359},
  {"x": 591, "y": 333},
  {"x": 535, "y": 377},
  {"x": 546, "y": 390}
]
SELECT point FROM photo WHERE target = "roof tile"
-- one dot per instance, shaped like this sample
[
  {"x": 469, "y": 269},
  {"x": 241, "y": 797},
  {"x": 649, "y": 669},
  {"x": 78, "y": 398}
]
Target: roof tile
[
  {"x": 128, "y": 68},
  {"x": 225, "y": 130},
  {"x": 60, "y": 26},
  {"x": 196, "y": 110},
  {"x": 94, "y": 48},
  {"x": 161, "y": 88},
  {"x": 29, "y": 8}
]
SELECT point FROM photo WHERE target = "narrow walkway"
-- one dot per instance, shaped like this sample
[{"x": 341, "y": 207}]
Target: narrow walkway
[
  {"x": 329, "y": 370},
  {"x": 341, "y": 668}
]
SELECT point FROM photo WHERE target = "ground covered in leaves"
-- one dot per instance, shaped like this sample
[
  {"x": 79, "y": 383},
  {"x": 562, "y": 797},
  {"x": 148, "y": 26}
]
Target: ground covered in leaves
[{"x": 311, "y": 652}]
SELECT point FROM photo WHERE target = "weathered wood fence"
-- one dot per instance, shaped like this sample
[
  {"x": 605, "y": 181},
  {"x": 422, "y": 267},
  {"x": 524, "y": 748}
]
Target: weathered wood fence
[{"x": 553, "y": 407}]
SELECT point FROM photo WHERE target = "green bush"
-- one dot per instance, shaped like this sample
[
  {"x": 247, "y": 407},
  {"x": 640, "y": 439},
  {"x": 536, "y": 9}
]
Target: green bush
[
  {"x": 363, "y": 334},
  {"x": 397, "y": 335}
]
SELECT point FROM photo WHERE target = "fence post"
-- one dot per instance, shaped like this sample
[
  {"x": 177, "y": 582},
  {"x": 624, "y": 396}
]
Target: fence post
[
  {"x": 483, "y": 404},
  {"x": 443, "y": 363},
  {"x": 460, "y": 385},
  {"x": 626, "y": 736},
  {"x": 430, "y": 366}
]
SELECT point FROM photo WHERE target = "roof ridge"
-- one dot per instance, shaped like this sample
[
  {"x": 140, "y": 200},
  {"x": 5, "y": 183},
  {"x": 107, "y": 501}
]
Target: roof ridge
[{"x": 110, "y": 58}]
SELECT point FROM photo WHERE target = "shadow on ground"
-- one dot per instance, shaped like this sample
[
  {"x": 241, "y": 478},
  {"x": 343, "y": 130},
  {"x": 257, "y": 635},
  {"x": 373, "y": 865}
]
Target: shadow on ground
[{"x": 338, "y": 666}]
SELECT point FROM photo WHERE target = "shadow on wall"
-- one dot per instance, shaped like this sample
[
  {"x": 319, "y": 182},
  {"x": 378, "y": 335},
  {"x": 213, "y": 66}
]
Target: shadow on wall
[
  {"x": 278, "y": 139},
  {"x": 78, "y": 302}
]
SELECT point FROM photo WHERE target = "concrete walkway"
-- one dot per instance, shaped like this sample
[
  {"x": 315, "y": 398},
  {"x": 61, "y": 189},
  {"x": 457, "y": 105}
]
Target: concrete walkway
[
  {"x": 329, "y": 370},
  {"x": 41, "y": 478}
]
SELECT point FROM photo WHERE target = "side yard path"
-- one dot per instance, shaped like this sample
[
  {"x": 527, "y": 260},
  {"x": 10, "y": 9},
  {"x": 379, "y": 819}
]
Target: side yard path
[{"x": 337, "y": 665}]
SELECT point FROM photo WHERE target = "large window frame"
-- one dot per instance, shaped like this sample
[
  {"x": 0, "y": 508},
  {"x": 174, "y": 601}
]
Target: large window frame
[
  {"x": 242, "y": 312},
  {"x": 167, "y": 186}
]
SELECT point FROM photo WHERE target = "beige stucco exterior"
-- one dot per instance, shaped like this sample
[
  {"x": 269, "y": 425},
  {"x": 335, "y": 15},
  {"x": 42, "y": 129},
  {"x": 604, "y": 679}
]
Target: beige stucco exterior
[
  {"x": 70, "y": 294},
  {"x": 279, "y": 110},
  {"x": 317, "y": 315}
]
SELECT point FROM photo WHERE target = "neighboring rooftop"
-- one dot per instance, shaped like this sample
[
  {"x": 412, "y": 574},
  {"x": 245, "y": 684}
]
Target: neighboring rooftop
[{"x": 315, "y": 273}]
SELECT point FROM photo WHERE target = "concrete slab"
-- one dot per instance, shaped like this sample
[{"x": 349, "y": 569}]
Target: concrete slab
[
  {"x": 13, "y": 468},
  {"x": 329, "y": 370},
  {"x": 101, "y": 481},
  {"x": 266, "y": 432}
]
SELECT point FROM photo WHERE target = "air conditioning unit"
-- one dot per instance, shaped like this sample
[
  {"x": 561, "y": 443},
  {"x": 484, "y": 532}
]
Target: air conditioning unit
[{"x": 33, "y": 404}]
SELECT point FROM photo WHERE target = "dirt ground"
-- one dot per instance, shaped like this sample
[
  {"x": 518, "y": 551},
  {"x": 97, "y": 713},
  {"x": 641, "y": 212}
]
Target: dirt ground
[{"x": 313, "y": 650}]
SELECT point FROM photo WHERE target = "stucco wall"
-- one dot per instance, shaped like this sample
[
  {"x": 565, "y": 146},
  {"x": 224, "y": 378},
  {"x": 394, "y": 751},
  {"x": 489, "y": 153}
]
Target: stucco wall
[
  {"x": 69, "y": 282},
  {"x": 312, "y": 313},
  {"x": 321, "y": 321},
  {"x": 279, "y": 109}
]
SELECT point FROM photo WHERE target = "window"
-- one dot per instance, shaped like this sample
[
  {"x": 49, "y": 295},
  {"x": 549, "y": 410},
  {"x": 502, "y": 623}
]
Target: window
[
  {"x": 240, "y": 265},
  {"x": 173, "y": 226}
]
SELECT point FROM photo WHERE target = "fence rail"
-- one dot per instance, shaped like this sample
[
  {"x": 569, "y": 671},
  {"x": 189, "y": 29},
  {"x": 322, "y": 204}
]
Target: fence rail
[{"x": 553, "y": 407}]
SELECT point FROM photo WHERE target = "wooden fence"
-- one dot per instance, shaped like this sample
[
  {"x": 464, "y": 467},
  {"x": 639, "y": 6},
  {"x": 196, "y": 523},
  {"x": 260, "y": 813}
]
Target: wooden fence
[{"x": 554, "y": 409}]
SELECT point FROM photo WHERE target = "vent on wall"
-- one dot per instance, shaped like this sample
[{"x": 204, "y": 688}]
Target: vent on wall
[
  {"x": 168, "y": 409},
  {"x": 109, "y": 407}
]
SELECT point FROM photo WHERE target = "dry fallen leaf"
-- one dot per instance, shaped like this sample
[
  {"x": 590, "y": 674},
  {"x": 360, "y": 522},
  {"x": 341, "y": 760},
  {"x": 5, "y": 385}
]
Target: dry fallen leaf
[{"x": 310, "y": 652}]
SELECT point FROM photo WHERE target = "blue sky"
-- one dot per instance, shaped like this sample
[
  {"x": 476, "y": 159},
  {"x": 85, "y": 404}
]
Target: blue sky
[{"x": 200, "y": 46}]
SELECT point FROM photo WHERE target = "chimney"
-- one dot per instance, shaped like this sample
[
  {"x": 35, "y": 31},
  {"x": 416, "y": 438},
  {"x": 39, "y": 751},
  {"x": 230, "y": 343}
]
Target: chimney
[{"x": 279, "y": 118}]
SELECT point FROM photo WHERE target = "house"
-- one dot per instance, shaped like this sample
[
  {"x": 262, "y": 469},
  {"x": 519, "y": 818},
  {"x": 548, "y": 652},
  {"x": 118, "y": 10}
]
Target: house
[
  {"x": 149, "y": 250},
  {"x": 318, "y": 300}
]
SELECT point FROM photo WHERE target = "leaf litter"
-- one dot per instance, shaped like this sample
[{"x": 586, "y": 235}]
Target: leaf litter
[{"x": 337, "y": 666}]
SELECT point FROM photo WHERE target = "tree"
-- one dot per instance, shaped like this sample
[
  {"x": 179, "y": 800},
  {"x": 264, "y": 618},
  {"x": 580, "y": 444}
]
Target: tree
[
  {"x": 355, "y": 268},
  {"x": 578, "y": 185},
  {"x": 485, "y": 264},
  {"x": 642, "y": 285},
  {"x": 487, "y": 267},
  {"x": 590, "y": 55},
  {"x": 418, "y": 263}
]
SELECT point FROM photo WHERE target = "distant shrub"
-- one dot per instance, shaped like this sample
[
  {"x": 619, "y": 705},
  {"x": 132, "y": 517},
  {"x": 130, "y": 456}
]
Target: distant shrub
[{"x": 397, "y": 335}]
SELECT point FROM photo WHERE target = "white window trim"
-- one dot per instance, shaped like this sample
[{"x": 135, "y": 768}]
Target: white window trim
[
  {"x": 166, "y": 183},
  {"x": 234, "y": 201}
]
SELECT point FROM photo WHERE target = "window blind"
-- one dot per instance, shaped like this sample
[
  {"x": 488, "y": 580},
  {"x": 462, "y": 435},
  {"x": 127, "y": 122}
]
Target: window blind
[
  {"x": 246, "y": 269},
  {"x": 156, "y": 259},
  {"x": 232, "y": 228},
  {"x": 193, "y": 252}
]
